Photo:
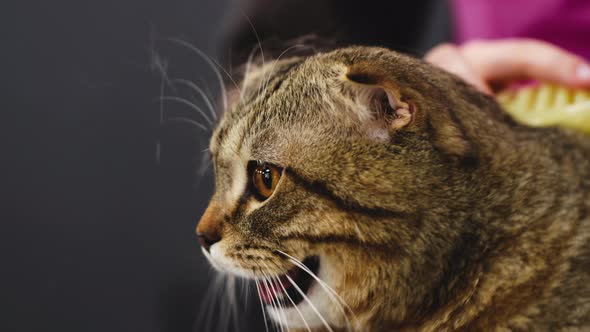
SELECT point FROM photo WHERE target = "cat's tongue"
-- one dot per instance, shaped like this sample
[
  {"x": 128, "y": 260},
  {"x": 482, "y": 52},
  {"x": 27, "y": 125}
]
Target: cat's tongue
[{"x": 270, "y": 291}]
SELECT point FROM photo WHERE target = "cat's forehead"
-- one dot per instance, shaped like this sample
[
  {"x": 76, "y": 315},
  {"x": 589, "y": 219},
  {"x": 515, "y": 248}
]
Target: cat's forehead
[{"x": 282, "y": 94}]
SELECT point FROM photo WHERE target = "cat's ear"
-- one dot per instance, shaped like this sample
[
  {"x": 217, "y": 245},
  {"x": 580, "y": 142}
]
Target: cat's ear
[{"x": 392, "y": 108}]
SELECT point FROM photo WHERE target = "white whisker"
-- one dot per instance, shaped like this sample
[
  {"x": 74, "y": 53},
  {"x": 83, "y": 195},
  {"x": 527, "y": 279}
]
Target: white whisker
[
  {"x": 204, "y": 318},
  {"x": 208, "y": 92},
  {"x": 210, "y": 62},
  {"x": 189, "y": 121},
  {"x": 281, "y": 301},
  {"x": 256, "y": 35},
  {"x": 309, "y": 302},
  {"x": 272, "y": 69},
  {"x": 261, "y": 305},
  {"x": 247, "y": 70},
  {"x": 259, "y": 46},
  {"x": 161, "y": 119},
  {"x": 199, "y": 91},
  {"x": 272, "y": 307},
  {"x": 233, "y": 302},
  {"x": 206, "y": 162},
  {"x": 331, "y": 292},
  {"x": 276, "y": 278},
  {"x": 189, "y": 104},
  {"x": 204, "y": 304},
  {"x": 161, "y": 68},
  {"x": 274, "y": 300},
  {"x": 221, "y": 325},
  {"x": 275, "y": 306},
  {"x": 294, "y": 305}
]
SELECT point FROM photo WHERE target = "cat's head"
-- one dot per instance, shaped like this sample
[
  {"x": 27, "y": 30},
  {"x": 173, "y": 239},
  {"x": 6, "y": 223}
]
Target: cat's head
[{"x": 355, "y": 163}]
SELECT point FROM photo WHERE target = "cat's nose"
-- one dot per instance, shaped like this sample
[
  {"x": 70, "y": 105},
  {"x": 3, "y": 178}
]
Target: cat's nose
[
  {"x": 210, "y": 227},
  {"x": 207, "y": 240}
]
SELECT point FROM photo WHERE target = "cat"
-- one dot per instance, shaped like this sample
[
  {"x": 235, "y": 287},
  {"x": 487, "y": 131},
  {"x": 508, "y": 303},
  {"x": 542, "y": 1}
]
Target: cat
[{"x": 366, "y": 190}]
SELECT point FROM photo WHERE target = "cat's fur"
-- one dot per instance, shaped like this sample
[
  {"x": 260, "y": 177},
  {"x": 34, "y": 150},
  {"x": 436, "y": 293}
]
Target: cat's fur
[{"x": 459, "y": 221}]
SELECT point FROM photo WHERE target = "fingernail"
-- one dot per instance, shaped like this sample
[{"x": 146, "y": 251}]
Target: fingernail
[{"x": 583, "y": 72}]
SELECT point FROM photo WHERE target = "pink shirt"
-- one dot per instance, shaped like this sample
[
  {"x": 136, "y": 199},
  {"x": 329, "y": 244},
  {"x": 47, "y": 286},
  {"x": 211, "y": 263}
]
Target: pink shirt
[{"x": 565, "y": 23}]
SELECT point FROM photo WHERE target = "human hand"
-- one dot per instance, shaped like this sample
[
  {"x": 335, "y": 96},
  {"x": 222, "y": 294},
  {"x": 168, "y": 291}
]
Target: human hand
[{"x": 491, "y": 64}]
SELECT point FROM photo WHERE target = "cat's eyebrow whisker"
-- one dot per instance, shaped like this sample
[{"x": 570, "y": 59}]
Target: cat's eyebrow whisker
[
  {"x": 189, "y": 121},
  {"x": 261, "y": 305},
  {"x": 205, "y": 164},
  {"x": 211, "y": 63},
  {"x": 331, "y": 292},
  {"x": 158, "y": 65},
  {"x": 261, "y": 50},
  {"x": 248, "y": 69},
  {"x": 189, "y": 104},
  {"x": 313, "y": 307},
  {"x": 272, "y": 69},
  {"x": 199, "y": 91},
  {"x": 208, "y": 92},
  {"x": 256, "y": 35}
]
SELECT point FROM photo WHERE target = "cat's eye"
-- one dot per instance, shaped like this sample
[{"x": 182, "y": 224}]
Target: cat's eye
[{"x": 265, "y": 178}]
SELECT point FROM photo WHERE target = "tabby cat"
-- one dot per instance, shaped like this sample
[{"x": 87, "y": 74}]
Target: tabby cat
[{"x": 365, "y": 190}]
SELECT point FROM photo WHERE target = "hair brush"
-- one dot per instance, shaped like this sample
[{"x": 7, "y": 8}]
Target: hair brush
[{"x": 546, "y": 104}]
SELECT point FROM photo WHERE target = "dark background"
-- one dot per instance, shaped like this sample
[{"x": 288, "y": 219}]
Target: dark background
[{"x": 97, "y": 221}]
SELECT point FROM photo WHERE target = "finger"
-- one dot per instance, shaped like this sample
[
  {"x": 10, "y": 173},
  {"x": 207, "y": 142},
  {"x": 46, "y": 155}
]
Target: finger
[
  {"x": 449, "y": 58},
  {"x": 525, "y": 58}
]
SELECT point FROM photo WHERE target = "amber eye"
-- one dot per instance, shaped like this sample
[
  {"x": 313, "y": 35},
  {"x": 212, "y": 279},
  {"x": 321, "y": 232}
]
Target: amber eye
[{"x": 265, "y": 178}]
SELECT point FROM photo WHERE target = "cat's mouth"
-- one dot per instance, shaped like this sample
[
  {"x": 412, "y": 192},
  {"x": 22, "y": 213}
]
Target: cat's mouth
[{"x": 289, "y": 289}]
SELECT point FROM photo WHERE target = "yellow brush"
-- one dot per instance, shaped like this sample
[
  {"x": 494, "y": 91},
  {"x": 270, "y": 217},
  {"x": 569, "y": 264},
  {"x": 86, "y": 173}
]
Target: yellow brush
[{"x": 549, "y": 105}]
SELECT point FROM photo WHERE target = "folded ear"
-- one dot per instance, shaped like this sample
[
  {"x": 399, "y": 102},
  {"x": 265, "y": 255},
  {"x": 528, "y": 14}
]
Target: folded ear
[{"x": 393, "y": 107}]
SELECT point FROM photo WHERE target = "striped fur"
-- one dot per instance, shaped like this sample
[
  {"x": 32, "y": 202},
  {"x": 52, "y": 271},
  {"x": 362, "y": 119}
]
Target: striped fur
[{"x": 462, "y": 220}]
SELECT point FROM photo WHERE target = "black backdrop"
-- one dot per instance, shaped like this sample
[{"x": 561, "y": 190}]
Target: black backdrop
[{"x": 97, "y": 221}]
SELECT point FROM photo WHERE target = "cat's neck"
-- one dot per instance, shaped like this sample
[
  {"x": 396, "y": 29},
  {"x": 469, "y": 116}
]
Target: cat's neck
[{"x": 528, "y": 222}]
